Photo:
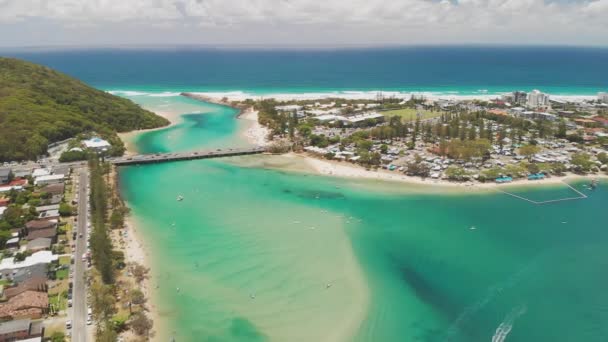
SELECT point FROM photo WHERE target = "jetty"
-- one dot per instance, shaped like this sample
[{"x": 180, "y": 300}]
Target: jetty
[{"x": 181, "y": 156}]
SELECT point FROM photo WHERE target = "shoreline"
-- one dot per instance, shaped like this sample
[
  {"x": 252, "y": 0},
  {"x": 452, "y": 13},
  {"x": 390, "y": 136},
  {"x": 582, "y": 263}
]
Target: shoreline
[
  {"x": 349, "y": 170},
  {"x": 240, "y": 95},
  {"x": 128, "y": 138},
  {"x": 135, "y": 251}
]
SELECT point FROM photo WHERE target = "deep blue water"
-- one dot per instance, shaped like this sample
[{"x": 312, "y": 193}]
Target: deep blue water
[{"x": 463, "y": 70}]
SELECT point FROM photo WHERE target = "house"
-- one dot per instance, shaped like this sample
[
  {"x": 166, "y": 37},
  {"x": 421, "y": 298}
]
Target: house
[
  {"x": 24, "y": 273},
  {"x": 20, "y": 329},
  {"x": 39, "y": 224},
  {"x": 40, "y": 173},
  {"x": 49, "y": 233},
  {"x": 97, "y": 144},
  {"x": 61, "y": 170},
  {"x": 37, "y": 284},
  {"x": 602, "y": 121},
  {"x": 50, "y": 179},
  {"x": 22, "y": 173},
  {"x": 4, "y": 175},
  {"x": 54, "y": 189},
  {"x": 29, "y": 304},
  {"x": 47, "y": 208},
  {"x": 49, "y": 214},
  {"x": 12, "y": 243},
  {"x": 39, "y": 244}
]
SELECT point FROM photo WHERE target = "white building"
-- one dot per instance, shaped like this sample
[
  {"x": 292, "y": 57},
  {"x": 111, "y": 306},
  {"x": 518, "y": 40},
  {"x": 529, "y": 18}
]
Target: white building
[
  {"x": 97, "y": 144},
  {"x": 40, "y": 172},
  {"x": 51, "y": 179},
  {"x": 537, "y": 99},
  {"x": 288, "y": 108},
  {"x": 602, "y": 97}
]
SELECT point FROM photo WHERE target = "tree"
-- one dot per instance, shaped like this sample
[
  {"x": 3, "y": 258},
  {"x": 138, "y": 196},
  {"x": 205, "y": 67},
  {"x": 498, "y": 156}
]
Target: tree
[
  {"x": 603, "y": 157},
  {"x": 141, "y": 324},
  {"x": 418, "y": 168},
  {"x": 57, "y": 336},
  {"x": 139, "y": 272},
  {"x": 383, "y": 148},
  {"x": 561, "y": 130},
  {"x": 529, "y": 151},
  {"x": 582, "y": 162},
  {"x": 65, "y": 210},
  {"x": 137, "y": 297},
  {"x": 456, "y": 173}
]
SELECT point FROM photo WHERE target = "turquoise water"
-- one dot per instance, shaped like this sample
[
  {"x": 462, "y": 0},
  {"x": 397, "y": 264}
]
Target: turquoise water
[{"x": 256, "y": 254}]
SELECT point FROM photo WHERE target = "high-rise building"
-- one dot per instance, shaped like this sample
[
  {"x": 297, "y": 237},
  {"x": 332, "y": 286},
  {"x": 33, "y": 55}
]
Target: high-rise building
[
  {"x": 602, "y": 97},
  {"x": 537, "y": 99},
  {"x": 520, "y": 98}
]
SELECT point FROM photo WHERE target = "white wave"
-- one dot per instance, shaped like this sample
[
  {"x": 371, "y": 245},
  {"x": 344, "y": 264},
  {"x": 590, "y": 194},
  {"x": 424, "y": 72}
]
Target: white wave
[
  {"x": 164, "y": 94},
  {"x": 127, "y": 93},
  {"x": 506, "y": 326}
]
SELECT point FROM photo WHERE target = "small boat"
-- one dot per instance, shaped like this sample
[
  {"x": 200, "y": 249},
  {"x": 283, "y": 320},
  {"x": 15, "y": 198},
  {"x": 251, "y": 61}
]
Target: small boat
[
  {"x": 252, "y": 296},
  {"x": 180, "y": 198},
  {"x": 472, "y": 228},
  {"x": 593, "y": 184},
  {"x": 328, "y": 285}
]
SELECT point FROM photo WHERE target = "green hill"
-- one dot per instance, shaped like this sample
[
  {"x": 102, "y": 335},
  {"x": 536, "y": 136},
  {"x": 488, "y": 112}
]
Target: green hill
[{"x": 39, "y": 106}]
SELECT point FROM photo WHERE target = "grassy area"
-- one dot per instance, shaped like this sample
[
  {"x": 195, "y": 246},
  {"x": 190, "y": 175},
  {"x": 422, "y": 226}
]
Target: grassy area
[
  {"x": 58, "y": 302},
  {"x": 61, "y": 286},
  {"x": 64, "y": 260},
  {"x": 62, "y": 274},
  {"x": 54, "y": 326},
  {"x": 5, "y": 282},
  {"x": 410, "y": 114}
]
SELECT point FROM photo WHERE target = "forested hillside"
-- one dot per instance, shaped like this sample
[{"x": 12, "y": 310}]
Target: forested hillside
[{"x": 39, "y": 105}]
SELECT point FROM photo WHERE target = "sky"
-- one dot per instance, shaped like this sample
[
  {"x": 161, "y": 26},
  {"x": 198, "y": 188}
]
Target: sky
[{"x": 26, "y": 23}]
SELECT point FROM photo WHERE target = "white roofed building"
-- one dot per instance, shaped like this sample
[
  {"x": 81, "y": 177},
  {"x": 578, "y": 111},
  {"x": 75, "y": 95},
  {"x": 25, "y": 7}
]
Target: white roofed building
[
  {"x": 97, "y": 144},
  {"x": 50, "y": 179}
]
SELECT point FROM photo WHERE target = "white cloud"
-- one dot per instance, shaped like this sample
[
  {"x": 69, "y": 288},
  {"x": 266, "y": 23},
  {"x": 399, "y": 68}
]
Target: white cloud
[{"x": 455, "y": 21}]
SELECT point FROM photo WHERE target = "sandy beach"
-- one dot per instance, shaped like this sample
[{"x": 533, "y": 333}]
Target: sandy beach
[
  {"x": 255, "y": 133},
  {"x": 348, "y": 170},
  {"x": 216, "y": 97},
  {"x": 128, "y": 138}
]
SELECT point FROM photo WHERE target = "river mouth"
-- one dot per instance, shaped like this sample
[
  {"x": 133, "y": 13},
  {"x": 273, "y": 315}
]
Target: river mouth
[{"x": 263, "y": 251}]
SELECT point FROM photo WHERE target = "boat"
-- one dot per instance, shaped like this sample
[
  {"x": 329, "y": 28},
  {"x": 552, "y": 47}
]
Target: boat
[
  {"x": 180, "y": 198},
  {"x": 593, "y": 184}
]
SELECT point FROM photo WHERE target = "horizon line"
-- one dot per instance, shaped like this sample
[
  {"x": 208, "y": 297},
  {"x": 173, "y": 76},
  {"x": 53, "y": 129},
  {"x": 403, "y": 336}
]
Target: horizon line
[{"x": 284, "y": 47}]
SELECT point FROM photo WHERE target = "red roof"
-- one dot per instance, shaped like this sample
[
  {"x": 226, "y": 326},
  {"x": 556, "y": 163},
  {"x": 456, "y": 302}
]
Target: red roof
[{"x": 18, "y": 182}]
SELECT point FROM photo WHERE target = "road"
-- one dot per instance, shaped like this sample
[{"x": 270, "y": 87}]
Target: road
[{"x": 79, "y": 308}]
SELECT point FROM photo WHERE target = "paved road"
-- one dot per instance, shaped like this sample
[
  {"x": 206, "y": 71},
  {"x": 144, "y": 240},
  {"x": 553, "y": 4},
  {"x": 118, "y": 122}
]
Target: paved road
[{"x": 79, "y": 309}]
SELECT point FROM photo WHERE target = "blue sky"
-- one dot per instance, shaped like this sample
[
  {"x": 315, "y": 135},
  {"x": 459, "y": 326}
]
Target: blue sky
[{"x": 307, "y": 22}]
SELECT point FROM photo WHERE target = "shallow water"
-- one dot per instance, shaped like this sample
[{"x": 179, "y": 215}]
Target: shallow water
[{"x": 261, "y": 254}]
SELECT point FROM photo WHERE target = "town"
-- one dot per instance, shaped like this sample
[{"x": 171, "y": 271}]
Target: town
[
  {"x": 60, "y": 274},
  {"x": 515, "y": 136}
]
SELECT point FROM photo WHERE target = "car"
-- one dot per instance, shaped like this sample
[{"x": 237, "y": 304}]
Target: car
[
  {"x": 68, "y": 325},
  {"x": 89, "y": 321},
  {"x": 69, "y": 303}
]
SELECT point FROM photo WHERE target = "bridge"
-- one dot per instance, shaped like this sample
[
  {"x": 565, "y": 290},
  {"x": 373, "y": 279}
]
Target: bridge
[{"x": 178, "y": 156}]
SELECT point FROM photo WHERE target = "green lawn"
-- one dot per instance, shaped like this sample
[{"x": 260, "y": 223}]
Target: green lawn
[
  {"x": 64, "y": 260},
  {"x": 58, "y": 302},
  {"x": 410, "y": 114},
  {"x": 62, "y": 274}
]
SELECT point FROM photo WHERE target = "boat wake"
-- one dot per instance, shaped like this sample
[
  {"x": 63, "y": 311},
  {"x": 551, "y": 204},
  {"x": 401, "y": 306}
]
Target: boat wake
[{"x": 506, "y": 326}]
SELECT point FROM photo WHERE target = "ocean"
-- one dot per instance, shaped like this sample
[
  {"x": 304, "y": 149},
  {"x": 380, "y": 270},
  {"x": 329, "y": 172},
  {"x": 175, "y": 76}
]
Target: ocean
[
  {"x": 451, "y": 70},
  {"x": 257, "y": 252}
]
